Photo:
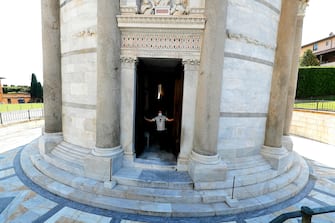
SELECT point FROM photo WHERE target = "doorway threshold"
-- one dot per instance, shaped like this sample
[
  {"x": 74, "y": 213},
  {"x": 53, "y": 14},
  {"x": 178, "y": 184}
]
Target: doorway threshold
[{"x": 156, "y": 159}]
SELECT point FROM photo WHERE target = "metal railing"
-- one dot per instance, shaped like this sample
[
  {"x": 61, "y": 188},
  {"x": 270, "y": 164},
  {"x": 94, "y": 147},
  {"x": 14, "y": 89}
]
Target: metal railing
[
  {"x": 317, "y": 105},
  {"x": 305, "y": 213},
  {"x": 21, "y": 116}
]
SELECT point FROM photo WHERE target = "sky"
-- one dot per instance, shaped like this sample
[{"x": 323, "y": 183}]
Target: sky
[
  {"x": 20, "y": 41},
  {"x": 20, "y": 36}
]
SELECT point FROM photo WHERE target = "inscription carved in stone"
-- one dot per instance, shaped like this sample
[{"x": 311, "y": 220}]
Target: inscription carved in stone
[{"x": 164, "y": 7}]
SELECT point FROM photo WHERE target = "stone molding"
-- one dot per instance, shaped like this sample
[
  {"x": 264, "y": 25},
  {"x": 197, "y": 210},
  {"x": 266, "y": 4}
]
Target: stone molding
[
  {"x": 203, "y": 159},
  {"x": 249, "y": 40},
  {"x": 161, "y": 22},
  {"x": 107, "y": 152},
  {"x": 128, "y": 10},
  {"x": 302, "y": 7}
]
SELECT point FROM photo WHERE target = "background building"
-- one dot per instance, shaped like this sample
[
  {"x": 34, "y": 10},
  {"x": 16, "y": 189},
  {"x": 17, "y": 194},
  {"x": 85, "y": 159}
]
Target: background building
[
  {"x": 15, "y": 98},
  {"x": 1, "y": 92},
  {"x": 323, "y": 49}
]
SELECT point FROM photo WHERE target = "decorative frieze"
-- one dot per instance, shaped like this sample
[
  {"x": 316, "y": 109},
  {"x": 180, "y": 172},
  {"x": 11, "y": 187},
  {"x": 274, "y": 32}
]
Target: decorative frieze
[
  {"x": 159, "y": 41},
  {"x": 161, "y": 22}
]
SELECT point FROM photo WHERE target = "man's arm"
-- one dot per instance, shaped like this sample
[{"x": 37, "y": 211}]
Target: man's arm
[
  {"x": 169, "y": 119},
  {"x": 148, "y": 120}
]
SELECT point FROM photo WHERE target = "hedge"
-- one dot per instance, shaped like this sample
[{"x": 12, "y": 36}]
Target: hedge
[{"x": 315, "y": 82}]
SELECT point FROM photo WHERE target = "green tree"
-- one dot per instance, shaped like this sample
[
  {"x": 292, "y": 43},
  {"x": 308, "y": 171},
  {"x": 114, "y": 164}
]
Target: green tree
[
  {"x": 36, "y": 90},
  {"x": 39, "y": 93},
  {"x": 309, "y": 59},
  {"x": 33, "y": 86}
]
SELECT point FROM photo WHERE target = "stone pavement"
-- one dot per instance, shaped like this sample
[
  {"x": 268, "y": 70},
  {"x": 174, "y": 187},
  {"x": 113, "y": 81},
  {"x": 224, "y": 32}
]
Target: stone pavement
[{"x": 23, "y": 201}]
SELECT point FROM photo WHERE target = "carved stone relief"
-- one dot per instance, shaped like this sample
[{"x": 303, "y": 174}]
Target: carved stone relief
[
  {"x": 164, "y": 7},
  {"x": 159, "y": 41}
]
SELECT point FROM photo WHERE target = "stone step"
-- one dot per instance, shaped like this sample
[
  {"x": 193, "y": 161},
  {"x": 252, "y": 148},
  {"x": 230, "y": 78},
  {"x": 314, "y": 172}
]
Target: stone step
[
  {"x": 268, "y": 186},
  {"x": 246, "y": 162},
  {"x": 70, "y": 153},
  {"x": 66, "y": 165},
  {"x": 153, "y": 178},
  {"x": 156, "y": 201},
  {"x": 81, "y": 151},
  {"x": 246, "y": 171},
  {"x": 148, "y": 164}
]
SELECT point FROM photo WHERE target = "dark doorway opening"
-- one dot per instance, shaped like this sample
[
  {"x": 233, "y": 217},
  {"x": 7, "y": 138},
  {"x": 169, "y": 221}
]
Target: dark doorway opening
[{"x": 159, "y": 86}]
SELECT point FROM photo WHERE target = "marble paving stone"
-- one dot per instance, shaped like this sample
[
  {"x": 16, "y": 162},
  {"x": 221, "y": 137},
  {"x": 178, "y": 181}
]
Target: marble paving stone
[
  {"x": 7, "y": 173},
  {"x": 322, "y": 197},
  {"x": 129, "y": 221},
  {"x": 39, "y": 204},
  {"x": 73, "y": 215},
  {"x": 4, "y": 202}
]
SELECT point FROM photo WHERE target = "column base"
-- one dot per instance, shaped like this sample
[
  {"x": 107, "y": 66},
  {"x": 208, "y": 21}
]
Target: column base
[
  {"x": 103, "y": 163},
  {"x": 207, "y": 168},
  {"x": 287, "y": 143},
  {"x": 48, "y": 141},
  {"x": 279, "y": 157}
]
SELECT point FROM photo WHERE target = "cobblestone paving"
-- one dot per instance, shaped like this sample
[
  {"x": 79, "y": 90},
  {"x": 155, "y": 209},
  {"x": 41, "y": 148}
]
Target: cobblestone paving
[{"x": 23, "y": 201}]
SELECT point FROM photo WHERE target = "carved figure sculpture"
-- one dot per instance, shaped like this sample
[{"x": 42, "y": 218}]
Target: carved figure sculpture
[
  {"x": 147, "y": 7},
  {"x": 179, "y": 8}
]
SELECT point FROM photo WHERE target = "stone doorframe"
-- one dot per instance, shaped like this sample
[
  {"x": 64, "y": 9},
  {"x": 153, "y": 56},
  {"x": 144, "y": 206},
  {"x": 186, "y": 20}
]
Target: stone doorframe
[
  {"x": 128, "y": 97},
  {"x": 173, "y": 37}
]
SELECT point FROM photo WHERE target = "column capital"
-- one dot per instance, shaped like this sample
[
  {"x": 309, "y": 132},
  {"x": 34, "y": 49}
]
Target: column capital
[
  {"x": 302, "y": 7},
  {"x": 190, "y": 61},
  {"x": 128, "y": 59}
]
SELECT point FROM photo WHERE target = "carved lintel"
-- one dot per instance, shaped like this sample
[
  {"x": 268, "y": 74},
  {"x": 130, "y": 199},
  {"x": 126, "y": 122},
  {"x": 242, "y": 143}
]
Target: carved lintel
[{"x": 302, "y": 7}]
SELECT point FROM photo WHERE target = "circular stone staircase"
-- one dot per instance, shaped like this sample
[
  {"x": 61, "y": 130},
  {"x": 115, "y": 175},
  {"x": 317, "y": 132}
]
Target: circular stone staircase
[{"x": 146, "y": 190}]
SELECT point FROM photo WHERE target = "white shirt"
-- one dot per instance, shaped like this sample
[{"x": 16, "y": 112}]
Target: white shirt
[{"x": 160, "y": 122}]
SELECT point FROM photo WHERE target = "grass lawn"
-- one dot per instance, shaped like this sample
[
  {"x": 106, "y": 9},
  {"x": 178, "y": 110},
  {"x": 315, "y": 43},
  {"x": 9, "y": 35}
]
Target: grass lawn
[
  {"x": 320, "y": 105},
  {"x": 15, "y": 107}
]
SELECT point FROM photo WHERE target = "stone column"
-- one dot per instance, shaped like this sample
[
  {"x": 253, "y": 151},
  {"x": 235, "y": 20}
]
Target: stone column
[
  {"x": 52, "y": 85},
  {"x": 191, "y": 73},
  {"x": 206, "y": 165},
  {"x": 51, "y": 66},
  {"x": 295, "y": 66},
  {"x": 273, "y": 150},
  {"x": 108, "y": 84},
  {"x": 128, "y": 86}
]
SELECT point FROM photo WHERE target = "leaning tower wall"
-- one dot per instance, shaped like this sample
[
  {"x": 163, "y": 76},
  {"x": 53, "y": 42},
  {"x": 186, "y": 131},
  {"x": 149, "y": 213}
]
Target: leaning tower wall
[
  {"x": 78, "y": 50},
  {"x": 247, "y": 73}
]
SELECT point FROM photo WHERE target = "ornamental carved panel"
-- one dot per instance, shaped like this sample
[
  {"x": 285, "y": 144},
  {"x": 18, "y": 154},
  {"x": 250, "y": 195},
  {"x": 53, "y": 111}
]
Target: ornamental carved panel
[
  {"x": 159, "y": 41},
  {"x": 164, "y": 7}
]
